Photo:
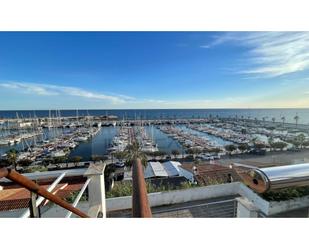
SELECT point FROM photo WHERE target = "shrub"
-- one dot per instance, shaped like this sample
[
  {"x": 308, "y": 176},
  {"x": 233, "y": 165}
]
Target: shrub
[
  {"x": 71, "y": 198},
  {"x": 35, "y": 169},
  {"x": 125, "y": 188},
  {"x": 286, "y": 194}
]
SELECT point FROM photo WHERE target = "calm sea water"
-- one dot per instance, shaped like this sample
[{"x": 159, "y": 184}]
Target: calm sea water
[
  {"x": 289, "y": 114},
  {"x": 97, "y": 145}
]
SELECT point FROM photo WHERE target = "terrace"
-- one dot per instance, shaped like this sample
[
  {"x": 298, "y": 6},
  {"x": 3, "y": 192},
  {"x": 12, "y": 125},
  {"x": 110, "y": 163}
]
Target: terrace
[{"x": 221, "y": 200}]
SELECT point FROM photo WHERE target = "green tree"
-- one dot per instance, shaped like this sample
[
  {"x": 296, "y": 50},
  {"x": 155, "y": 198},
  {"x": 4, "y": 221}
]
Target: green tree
[
  {"x": 120, "y": 155},
  {"x": 295, "y": 142},
  {"x": 273, "y": 119},
  {"x": 24, "y": 162},
  {"x": 150, "y": 154},
  {"x": 76, "y": 160},
  {"x": 296, "y": 118},
  {"x": 259, "y": 146},
  {"x": 12, "y": 157},
  {"x": 243, "y": 131},
  {"x": 271, "y": 142},
  {"x": 306, "y": 143},
  {"x": 132, "y": 152},
  {"x": 162, "y": 154},
  {"x": 279, "y": 145},
  {"x": 97, "y": 158},
  {"x": 189, "y": 151},
  {"x": 193, "y": 151},
  {"x": 230, "y": 148},
  {"x": 283, "y": 121},
  {"x": 301, "y": 139},
  {"x": 175, "y": 153},
  {"x": 156, "y": 154},
  {"x": 243, "y": 147},
  {"x": 214, "y": 150},
  {"x": 62, "y": 159}
]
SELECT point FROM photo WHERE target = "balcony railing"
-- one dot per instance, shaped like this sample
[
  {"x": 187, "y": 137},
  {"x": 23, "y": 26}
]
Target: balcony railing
[{"x": 94, "y": 183}]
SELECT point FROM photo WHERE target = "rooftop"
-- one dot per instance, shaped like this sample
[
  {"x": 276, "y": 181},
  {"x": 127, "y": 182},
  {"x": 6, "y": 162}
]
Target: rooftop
[{"x": 208, "y": 174}]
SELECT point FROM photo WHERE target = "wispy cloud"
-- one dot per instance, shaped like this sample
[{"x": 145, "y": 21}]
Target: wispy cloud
[
  {"x": 30, "y": 88},
  {"x": 270, "y": 54},
  {"x": 50, "y": 90},
  {"x": 205, "y": 46}
]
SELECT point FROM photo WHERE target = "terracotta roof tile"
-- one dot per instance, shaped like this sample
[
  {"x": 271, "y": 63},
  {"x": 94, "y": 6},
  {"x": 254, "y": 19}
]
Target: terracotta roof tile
[{"x": 208, "y": 173}]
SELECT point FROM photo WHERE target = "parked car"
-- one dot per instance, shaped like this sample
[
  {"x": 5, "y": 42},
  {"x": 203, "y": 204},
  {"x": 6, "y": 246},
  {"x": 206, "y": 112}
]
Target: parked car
[{"x": 119, "y": 165}]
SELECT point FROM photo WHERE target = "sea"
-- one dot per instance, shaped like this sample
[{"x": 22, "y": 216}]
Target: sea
[
  {"x": 101, "y": 142},
  {"x": 268, "y": 114}
]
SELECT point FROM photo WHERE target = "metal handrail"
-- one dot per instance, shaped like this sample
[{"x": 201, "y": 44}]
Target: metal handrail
[
  {"x": 140, "y": 203},
  {"x": 35, "y": 188}
]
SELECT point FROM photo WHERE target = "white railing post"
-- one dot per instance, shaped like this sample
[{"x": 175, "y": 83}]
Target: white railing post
[
  {"x": 246, "y": 209},
  {"x": 79, "y": 196},
  {"x": 96, "y": 190}
]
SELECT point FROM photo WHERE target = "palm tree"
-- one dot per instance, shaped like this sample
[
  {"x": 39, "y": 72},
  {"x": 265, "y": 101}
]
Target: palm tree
[
  {"x": 132, "y": 152},
  {"x": 301, "y": 139},
  {"x": 296, "y": 119},
  {"x": 12, "y": 157},
  {"x": 273, "y": 119},
  {"x": 271, "y": 142},
  {"x": 283, "y": 120}
]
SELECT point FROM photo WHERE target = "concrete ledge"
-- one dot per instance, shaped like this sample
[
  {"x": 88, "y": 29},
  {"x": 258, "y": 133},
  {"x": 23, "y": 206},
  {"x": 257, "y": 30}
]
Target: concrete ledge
[
  {"x": 256, "y": 200},
  {"x": 176, "y": 196},
  {"x": 289, "y": 205},
  {"x": 208, "y": 192},
  {"x": 118, "y": 203}
]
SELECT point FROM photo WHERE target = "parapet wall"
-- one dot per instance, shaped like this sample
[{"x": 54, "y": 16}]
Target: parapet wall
[{"x": 208, "y": 192}]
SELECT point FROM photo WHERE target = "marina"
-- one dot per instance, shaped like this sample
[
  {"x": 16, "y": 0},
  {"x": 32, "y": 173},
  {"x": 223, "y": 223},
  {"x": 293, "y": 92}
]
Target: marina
[{"x": 76, "y": 138}]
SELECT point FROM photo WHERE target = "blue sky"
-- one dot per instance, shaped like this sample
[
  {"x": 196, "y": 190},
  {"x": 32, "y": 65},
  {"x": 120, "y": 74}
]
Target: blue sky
[{"x": 106, "y": 70}]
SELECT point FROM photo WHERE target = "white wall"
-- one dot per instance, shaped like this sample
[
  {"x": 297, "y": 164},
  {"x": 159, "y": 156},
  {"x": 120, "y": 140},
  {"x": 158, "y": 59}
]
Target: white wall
[{"x": 176, "y": 196}]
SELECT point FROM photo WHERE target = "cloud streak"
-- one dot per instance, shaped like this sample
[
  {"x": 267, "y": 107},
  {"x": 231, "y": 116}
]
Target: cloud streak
[
  {"x": 52, "y": 90},
  {"x": 270, "y": 54}
]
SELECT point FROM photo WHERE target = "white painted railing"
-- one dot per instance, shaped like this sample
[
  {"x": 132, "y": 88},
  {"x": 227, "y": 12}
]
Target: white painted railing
[
  {"x": 94, "y": 183},
  {"x": 40, "y": 200},
  {"x": 81, "y": 192}
]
